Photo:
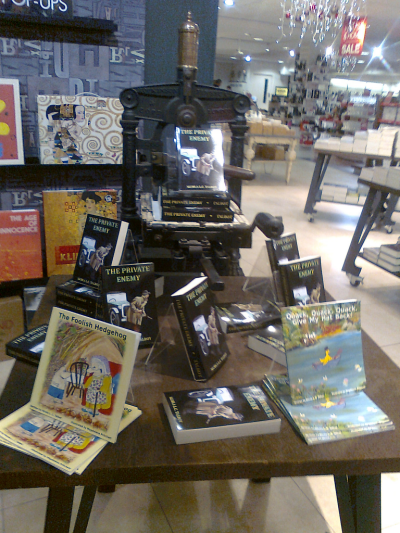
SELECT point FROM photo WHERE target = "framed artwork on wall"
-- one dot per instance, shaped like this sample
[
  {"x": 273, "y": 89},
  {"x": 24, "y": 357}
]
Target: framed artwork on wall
[{"x": 11, "y": 141}]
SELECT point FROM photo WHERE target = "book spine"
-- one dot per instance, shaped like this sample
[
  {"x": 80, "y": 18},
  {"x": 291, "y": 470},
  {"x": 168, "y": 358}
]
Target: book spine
[
  {"x": 22, "y": 356},
  {"x": 176, "y": 215},
  {"x": 189, "y": 343},
  {"x": 276, "y": 276},
  {"x": 178, "y": 203},
  {"x": 83, "y": 301},
  {"x": 286, "y": 292},
  {"x": 71, "y": 305}
]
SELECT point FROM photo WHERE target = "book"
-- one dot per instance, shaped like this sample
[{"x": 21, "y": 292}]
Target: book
[
  {"x": 328, "y": 420},
  {"x": 203, "y": 339},
  {"x": 302, "y": 281},
  {"x": 102, "y": 243},
  {"x": 323, "y": 350},
  {"x": 84, "y": 373},
  {"x": 199, "y": 159},
  {"x": 173, "y": 199},
  {"x": 80, "y": 299},
  {"x": 246, "y": 317},
  {"x": 219, "y": 413},
  {"x": 387, "y": 265},
  {"x": 197, "y": 214},
  {"x": 371, "y": 254},
  {"x": 11, "y": 139},
  {"x": 20, "y": 245},
  {"x": 65, "y": 213},
  {"x": 269, "y": 342},
  {"x": 391, "y": 249},
  {"x": 389, "y": 258},
  {"x": 280, "y": 251},
  {"x": 130, "y": 299},
  {"x": 28, "y": 347}
]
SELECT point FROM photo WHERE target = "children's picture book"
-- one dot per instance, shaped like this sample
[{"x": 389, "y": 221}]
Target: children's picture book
[
  {"x": 324, "y": 350},
  {"x": 302, "y": 281},
  {"x": 28, "y": 347},
  {"x": 11, "y": 140},
  {"x": 65, "y": 213},
  {"x": 327, "y": 420},
  {"x": 219, "y": 413},
  {"x": 84, "y": 373},
  {"x": 20, "y": 245},
  {"x": 79, "y": 129},
  {"x": 57, "y": 443},
  {"x": 203, "y": 338},
  {"x": 130, "y": 299},
  {"x": 269, "y": 342},
  {"x": 236, "y": 317},
  {"x": 102, "y": 244},
  {"x": 198, "y": 157},
  {"x": 279, "y": 251}
]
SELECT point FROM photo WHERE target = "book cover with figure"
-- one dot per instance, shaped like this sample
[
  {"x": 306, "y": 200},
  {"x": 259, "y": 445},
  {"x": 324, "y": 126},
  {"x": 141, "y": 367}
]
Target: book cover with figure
[
  {"x": 84, "y": 372},
  {"x": 65, "y": 213},
  {"x": 129, "y": 299},
  {"x": 203, "y": 338},
  {"x": 219, "y": 413},
  {"x": 281, "y": 251},
  {"x": 102, "y": 244},
  {"x": 11, "y": 140},
  {"x": 302, "y": 281}
]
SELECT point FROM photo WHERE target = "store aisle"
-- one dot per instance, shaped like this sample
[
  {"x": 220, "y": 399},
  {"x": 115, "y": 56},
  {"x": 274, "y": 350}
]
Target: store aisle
[{"x": 286, "y": 504}]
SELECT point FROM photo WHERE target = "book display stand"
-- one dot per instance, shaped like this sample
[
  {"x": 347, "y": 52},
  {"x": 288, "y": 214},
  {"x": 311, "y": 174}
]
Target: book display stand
[{"x": 166, "y": 335}]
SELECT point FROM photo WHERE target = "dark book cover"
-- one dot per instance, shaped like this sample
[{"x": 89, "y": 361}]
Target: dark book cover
[
  {"x": 130, "y": 300},
  {"x": 219, "y": 413},
  {"x": 269, "y": 342},
  {"x": 197, "y": 214},
  {"x": 236, "y": 317},
  {"x": 302, "y": 281},
  {"x": 29, "y": 346},
  {"x": 280, "y": 251},
  {"x": 203, "y": 338},
  {"x": 102, "y": 244},
  {"x": 171, "y": 199},
  {"x": 199, "y": 159}
]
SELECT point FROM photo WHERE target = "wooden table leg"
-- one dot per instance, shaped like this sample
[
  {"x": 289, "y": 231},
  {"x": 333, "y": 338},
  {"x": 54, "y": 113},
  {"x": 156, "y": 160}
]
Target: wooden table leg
[
  {"x": 59, "y": 508},
  {"x": 85, "y": 508}
]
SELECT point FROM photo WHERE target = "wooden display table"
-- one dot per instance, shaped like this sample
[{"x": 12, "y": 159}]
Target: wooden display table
[{"x": 146, "y": 451}]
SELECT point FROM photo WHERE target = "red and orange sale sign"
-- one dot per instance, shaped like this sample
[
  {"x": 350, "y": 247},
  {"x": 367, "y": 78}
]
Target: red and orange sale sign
[{"x": 353, "y": 35}]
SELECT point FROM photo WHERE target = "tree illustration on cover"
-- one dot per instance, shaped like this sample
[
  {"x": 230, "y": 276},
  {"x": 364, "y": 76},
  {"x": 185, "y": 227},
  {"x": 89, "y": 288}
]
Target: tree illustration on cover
[
  {"x": 83, "y": 374},
  {"x": 323, "y": 350}
]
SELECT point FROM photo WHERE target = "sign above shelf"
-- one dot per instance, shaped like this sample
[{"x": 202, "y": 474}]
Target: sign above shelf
[{"x": 44, "y": 8}]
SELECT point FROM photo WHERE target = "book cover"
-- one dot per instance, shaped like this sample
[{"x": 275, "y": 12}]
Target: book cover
[
  {"x": 130, "y": 299},
  {"x": 246, "y": 317},
  {"x": 279, "y": 251},
  {"x": 323, "y": 350},
  {"x": 173, "y": 199},
  {"x": 20, "y": 245},
  {"x": 302, "y": 281},
  {"x": 28, "y": 347},
  {"x": 328, "y": 420},
  {"x": 84, "y": 372},
  {"x": 219, "y": 413},
  {"x": 391, "y": 249},
  {"x": 269, "y": 342},
  {"x": 102, "y": 244},
  {"x": 197, "y": 214},
  {"x": 65, "y": 213},
  {"x": 199, "y": 160},
  {"x": 11, "y": 140},
  {"x": 79, "y": 129},
  {"x": 80, "y": 299},
  {"x": 204, "y": 341}
]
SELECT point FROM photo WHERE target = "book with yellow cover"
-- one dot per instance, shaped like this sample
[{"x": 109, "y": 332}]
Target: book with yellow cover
[{"x": 65, "y": 214}]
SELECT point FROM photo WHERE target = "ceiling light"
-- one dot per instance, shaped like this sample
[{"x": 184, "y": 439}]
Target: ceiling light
[
  {"x": 258, "y": 39},
  {"x": 377, "y": 52},
  {"x": 267, "y": 49},
  {"x": 360, "y": 61},
  {"x": 365, "y": 53},
  {"x": 286, "y": 48},
  {"x": 247, "y": 58},
  {"x": 247, "y": 34},
  {"x": 329, "y": 51},
  {"x": 233, "y": 57},
  {"x": 229, "y": 2},
  {"x": 292, "y": 53},
  {"x": 280, "y": 61}
]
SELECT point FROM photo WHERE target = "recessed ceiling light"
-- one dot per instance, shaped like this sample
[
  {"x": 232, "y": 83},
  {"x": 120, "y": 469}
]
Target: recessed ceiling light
[
  {"x": 377, "y": 52},
  {"x": 365, "y": 53},
  {"x": 229, "y": 2},
  {"x": 292, "y": 53},
  {"x": 285, "y": 47},
  {"x": 267, "y": 49},
  {"x": 360, "y": 61},
  {"x": 247, "y": 34},
  {"x": 258, "y": 39},
  {"x": 279, "y": 61},
  {"x": 248, "y": 59},
  {"x": 233, "y": 57}
]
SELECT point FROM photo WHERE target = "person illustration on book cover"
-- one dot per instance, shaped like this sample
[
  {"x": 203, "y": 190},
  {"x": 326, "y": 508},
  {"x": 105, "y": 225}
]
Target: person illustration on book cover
[
  {"x": 213, "y": 330},
  {"x": 315, "y": 294},
  {"x": 91, "y": 200},
  {"x": 205, "y": 164},
  {"x": 97, "y": 386},
  {"x": 136, "y": 311},
  {"x": 211, "y": 409},
  {"x": 97, "y": 259},
  {"x": 33, "y": 424},
  {"x": 58, "y": 384}
]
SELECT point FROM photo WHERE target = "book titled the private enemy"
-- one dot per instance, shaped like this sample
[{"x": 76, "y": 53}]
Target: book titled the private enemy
[
  {"x": 102, "y": 244},
  {"x": 302, "y": 281},
  {"x": 219, "y": 413}
]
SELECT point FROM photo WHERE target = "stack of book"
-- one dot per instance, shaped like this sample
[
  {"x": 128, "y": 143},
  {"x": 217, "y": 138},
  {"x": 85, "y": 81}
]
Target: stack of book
[{"x": 386, "y": 256}]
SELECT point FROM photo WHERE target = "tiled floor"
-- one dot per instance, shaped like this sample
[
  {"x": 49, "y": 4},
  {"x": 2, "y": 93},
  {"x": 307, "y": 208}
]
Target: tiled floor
[{"x": 288, "y": 504}]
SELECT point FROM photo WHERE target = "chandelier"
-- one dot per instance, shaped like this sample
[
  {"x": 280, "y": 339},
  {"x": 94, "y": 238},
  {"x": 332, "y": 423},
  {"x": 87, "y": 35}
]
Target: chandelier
[{"x": 321, "y": 18}]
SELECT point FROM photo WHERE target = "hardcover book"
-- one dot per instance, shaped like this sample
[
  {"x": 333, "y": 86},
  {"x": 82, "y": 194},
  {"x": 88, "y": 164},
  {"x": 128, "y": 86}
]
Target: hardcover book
[
  {"x": 323, "y": 350},
  {"x": 391, "y": 249},
  {"x": 102, "y": 244},
  {"x": 204, "y": 341},
  {"x": 245, "y": 317},
  {"x": 28, "y": 347},
  {"x": 197, "y": 214},
  {"x": 20, "y": 245},
  {"x": 80, "y": 299},
  {"x": 11, "y": 140},
  {"x": 269, "y": 342},
  {"x": 65, "y": 215},
  {"x": 130, "y": 299},
  {"x": 328, "y": 420},
  {"x": 279, "y": 251},
  {"x": 219, "y": 413},
  {"x": 172, "y": 199},
  {"x": 302, "y": 281},
  {"x": 84, "y": 373}
]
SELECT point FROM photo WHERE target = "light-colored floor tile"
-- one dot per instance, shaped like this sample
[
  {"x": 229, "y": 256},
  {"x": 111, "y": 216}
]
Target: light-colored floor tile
[
  {"x": 5, "y": 370},
  {"x": 390, "y": 502},
  {"x": 25, "y": 517},
  {"x": 16, "y": 497}
]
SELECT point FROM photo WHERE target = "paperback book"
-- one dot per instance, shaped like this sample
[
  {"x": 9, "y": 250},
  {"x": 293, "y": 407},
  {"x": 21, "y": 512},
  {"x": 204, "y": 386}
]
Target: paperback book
[
  {"x": 302, "y": 281},
  {"x": 79, "y": 298},
  {"x": 203, "y": 338},
  {"x": 102, "y": 244},
  {"x": 328, "y": 420},
  {"x": 28, "y": 347},
  {"x": 219, "y": 413},
  {"x": 279, "y": 251},
  {"x": 269, "y": 342},
  {"x": 236, "y": 317},
  {"x": 65, "y": 213},
  {"x": 177, "y": 199},
  {"x": 130, "y": 299},
  {"x": 391, "y": 249},
  {"x": 197, "y": 214}
]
